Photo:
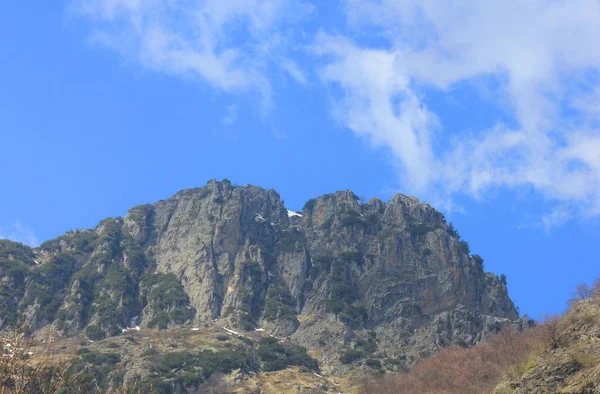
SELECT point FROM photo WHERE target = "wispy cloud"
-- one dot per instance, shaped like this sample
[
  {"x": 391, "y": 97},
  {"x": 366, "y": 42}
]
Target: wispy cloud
[
  {"x": 228, "y": 44},
  {"x": 560, "y": 215},
  {"x": 230, "y": 115},
  {"x": 538, "y": 53},
  {"x": 20, "y": 233},
  {"x": 536, "y": 61},
  {"x": 293, "y": 70}
]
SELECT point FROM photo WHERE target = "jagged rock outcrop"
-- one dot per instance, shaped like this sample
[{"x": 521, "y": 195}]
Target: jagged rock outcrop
[{"x": 331, "y": 277}]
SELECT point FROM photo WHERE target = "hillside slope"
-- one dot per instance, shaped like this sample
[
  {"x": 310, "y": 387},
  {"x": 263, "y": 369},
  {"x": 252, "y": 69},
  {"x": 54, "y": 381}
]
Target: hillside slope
[
  {"x": 568, "y": 359},
  {"x": 560, "y": 355},
  {"x": 352, "y": 282}
]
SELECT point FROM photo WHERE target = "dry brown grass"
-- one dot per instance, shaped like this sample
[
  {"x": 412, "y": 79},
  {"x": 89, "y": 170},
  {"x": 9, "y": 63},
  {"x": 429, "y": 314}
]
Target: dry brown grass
[
  {"x": 21, "y": 373},
  {"x": 506, "y": 356},
  {"x": 459, "y": 370}
]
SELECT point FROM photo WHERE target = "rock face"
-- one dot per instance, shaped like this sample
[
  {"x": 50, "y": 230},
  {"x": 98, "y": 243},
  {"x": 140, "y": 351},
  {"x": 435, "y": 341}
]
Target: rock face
[{"x": 339, "y": 275}]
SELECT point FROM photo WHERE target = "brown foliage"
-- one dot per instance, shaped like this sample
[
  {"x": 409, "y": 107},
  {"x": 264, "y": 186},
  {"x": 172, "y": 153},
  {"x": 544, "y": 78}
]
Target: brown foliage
[
  {"x": 549, "y": 332},
  {"x": 459, "y": 370},
  {"x": 596, "y": 292},
  {"x": 582, "y": 292},
  {"x": 19, "y": 373}
]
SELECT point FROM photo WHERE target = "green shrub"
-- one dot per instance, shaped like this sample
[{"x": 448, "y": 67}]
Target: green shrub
[
  {"x": 322, "y": 264},
  {"x": 368, "y": 347},
  {"x": 167, "y": 300},
  {"x": 353, "y": 314},
  {"x": 279, "y": 304},
  {"x": 352, "y": 220},
  {"x": 327, "y": 223},
  {"x": 252, "y": 267},
  {"x": 95, "y": 332},
  {"x": 373, "y": 363},
  {"x": 248, "y": 306},
  {"x": 452, "y": 231},
  {"x": 463, "y": 247},
  {"x": 98, "y": 358},
  {"x": 180, "y": 365},
  {"x": 309, "y": 205},
  {"x": 139, "y": 213},
  {"x": 276, "y": 356},
  {"x": 342, "y": 294},
  {"x": 351, "y": 355},
  {"x": 352, "y": 256},
  {"x": 148, "y": 352},
  {"x": 160, "y": 321},
  {"x": 16, "y": 251},
  {"x": 17, "y": 273},
  {"x": 396, "y": 360},
  {"x": 291, "y": 241},
  {"x": 479, "y": 261},
  {"x": 420, "y": 229},
  {"x": 154, "y": 385}
]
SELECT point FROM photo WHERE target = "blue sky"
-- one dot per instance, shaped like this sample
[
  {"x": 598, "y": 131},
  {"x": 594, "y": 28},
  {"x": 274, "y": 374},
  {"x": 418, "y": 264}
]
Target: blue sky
[{"x": 487, "y": 111}]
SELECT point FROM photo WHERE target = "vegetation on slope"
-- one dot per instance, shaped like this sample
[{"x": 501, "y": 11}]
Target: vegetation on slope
[
  {"x": 146, "y": 361},
  {"x": 561, "y": 355}
]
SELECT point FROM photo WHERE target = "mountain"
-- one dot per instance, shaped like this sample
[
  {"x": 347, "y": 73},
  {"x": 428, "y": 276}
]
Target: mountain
[{"x": 350, "y": 280}]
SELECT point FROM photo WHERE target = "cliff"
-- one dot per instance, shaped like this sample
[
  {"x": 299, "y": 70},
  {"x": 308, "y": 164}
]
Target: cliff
[{"x": 348, "y": 280}]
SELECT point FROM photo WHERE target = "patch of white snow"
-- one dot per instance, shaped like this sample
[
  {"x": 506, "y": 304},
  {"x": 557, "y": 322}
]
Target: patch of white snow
[{"x": 292, "y": 214}]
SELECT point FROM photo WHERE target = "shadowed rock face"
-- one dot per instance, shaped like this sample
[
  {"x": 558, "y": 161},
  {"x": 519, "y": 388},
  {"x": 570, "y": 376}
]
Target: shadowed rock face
[{"x": 324, "y": 278}]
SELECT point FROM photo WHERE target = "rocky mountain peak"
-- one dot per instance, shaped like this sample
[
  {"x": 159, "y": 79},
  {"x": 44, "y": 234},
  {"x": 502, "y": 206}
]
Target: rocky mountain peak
[{"x": 322, "y": 277}]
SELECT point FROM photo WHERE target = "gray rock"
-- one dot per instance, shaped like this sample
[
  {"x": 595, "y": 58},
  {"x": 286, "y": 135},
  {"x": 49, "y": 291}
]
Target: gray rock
[{"x": 340, "y": 271}]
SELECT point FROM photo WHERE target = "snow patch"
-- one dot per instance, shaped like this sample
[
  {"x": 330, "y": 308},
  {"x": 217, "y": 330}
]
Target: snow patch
[
  {"x": 292, "y": 214},
  {"x": 231, "y": 332}
]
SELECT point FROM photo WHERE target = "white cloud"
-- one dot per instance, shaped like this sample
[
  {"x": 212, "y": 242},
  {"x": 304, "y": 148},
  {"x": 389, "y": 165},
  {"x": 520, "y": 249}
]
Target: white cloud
[
  {"x": 378, "y": 103},
  {"x": 293, "y": 70},
  {"x": 231, "y": 115},
  {"x": 228, "y": 44},
  {"x": 19, "y": 233},
  {"x": 537, "y": 61},
  {"x": 559, "y": 216},
  {"x": 539, "y": 53}
]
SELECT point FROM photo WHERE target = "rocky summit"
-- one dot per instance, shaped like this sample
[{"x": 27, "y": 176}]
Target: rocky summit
[{"x": 349, "y": 280}]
